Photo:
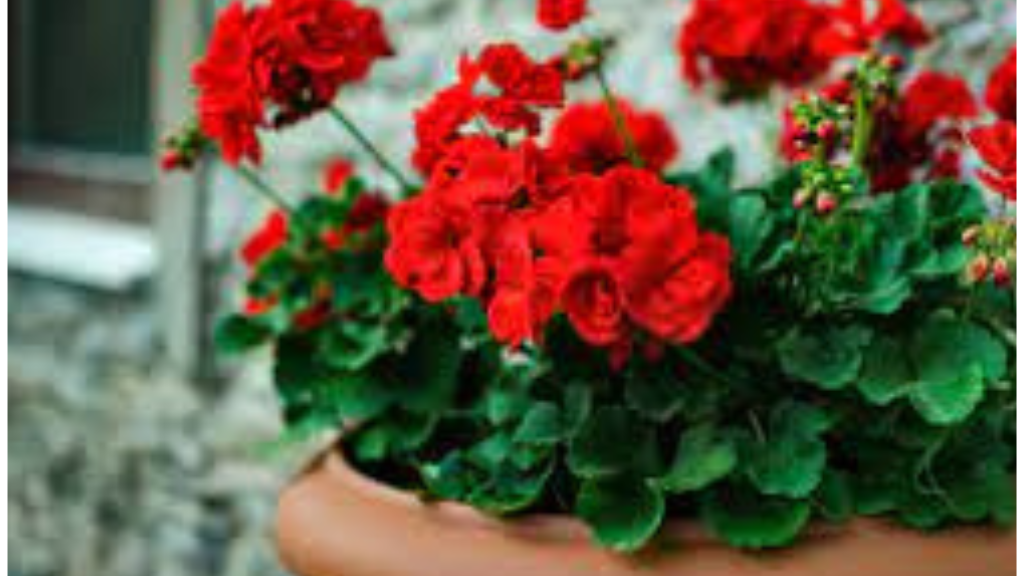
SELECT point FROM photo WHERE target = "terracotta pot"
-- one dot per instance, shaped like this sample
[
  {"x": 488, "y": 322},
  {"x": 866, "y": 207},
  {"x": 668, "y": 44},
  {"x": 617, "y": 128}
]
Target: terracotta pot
[{"x": 333, "y": 521}]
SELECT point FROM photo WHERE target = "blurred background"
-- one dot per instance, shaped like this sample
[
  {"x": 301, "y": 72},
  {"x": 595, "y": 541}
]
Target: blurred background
[{"x": 132, "y": 450}]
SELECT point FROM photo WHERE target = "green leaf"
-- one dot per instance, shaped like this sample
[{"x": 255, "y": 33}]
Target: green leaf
[
  {"x": 353, "y": 345},
  {"x": 624, "y": 513},
  {"x": 398, "y": 433},
  {"x": 655, "y": 392},
  {"x": 613, "y": 441},
  {"x": 750, "y": 224},
  {"x": 428, "y": 372},
  {"x": 509, "y": 489},
  {"x": 578, "y": 402},
  {"x": 791, "y": 459},
  {"x": 827, "y": 357},
  {"x": 887, "y": 373},
  {"x": 703, "y": 457},
  {"x": 541, "y": 425},
  {"x": 747, "y": 520},
  {"x": 236, "y": 333},
  {"x": 945, "y": 403},
  {"x": 357, "y": 395},
  {"x": 835, "y": 497},
  {"x": 945, "y": 346}
]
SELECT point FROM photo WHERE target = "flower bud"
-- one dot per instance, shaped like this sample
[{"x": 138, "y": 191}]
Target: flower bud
[
  {"x": 827, "y": 130},
  {"x": 1000, "y": 273},
  {"x": 893, "y": 62},
  {"x": 801, "y": 197},
  {"x": 970, "y": 235},
  {"x": 825, "y": 204},
  {"x": 977, "y": 270}
]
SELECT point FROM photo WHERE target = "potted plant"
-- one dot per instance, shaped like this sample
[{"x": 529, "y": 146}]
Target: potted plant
[{"x": 550, "y": 354}]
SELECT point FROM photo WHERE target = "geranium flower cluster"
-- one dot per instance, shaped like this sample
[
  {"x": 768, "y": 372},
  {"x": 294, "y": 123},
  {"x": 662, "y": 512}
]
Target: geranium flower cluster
[
  {"x": 275, "y": 64},
  {"x": 996, "y": 144},
  {"x": 915, "y": 131},
  {"x": 519, "y": 89},
  {"x": 784, "y": 41},
  {"x": 570, "y": 227}
]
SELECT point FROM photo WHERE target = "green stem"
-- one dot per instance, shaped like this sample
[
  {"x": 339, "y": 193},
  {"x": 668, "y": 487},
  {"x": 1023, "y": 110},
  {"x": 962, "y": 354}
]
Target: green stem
[
  {"x": 367, "y": 145},
  {"x": 863, "y": 126},
  {"x": 695, "y": 360},
  {"x": 263, "y": 189},
  {"x": 618, "y": 119}
]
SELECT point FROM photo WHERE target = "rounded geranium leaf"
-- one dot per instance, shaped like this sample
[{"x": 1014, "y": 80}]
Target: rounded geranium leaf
[
  {"x": 944, "y": 403},
  {"x": 829, "y": 357},
  {"x": 748, "y": 520},
  {"x": 704, "y": 456},
  {"x": 790, "y": 458},
  {"x": 542, "y": 424},
  {"x": 624, "y": 513},
  {"x": 612, "y": 441},
  {"x": 887, "y": 373},
  {"x": 945, "y": 347}
]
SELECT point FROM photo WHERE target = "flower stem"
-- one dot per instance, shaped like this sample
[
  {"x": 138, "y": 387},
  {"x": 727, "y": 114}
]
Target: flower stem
[
  {"x": 863, "y": 126},
  {"x": 367, "y": 145},
  {"x": 618, "y": 118},
  {"x": 263, "y": 189}
]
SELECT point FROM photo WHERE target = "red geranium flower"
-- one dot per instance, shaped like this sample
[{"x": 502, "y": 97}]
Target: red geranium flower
[
  {"x": 289, "y": 57},
  {"x": 681, "y": 308},
  {"x": 594, "y": 302},
  {"x": 584, "y": 138},
  {"x": 229, "y": 105},
  {"x": 919, "y": 133},
  {"x": 271, "y": 235},
  {"x": 997, "y": 146},
  {"x": 1001, "y": 92},
  {"x": 560, "y": 14},
  {"x": 787, "y": 41},
  {"x": 336, "y": 174},
  {"x": 435, "y": 248},
  {"x": 521, "y": 88},
  {"x": 892, "y": 21}
]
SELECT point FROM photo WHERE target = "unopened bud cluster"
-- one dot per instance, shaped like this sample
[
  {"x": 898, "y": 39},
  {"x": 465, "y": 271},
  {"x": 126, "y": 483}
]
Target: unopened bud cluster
[
  {"x": 994, "y": 248},
  {"x": 183, "y": 148},
  {"x": 824, "y": 188}
]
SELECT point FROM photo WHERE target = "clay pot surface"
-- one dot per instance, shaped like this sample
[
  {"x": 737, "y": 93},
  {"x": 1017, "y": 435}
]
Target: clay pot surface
[{"x": 333, "y": 521}]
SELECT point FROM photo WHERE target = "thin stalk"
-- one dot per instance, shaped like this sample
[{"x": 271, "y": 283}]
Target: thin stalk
[
  {"x": 368, "y": 145},
  {"x": 863, "y": 126},
  {"x": 695, "y": 360},
  {"x": 263, "y": 189},
  {"x": 618, "y": 119}
]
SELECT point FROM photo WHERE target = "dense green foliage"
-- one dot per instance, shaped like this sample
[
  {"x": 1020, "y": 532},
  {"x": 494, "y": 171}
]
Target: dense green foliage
[{"x": 853, "y": 373}]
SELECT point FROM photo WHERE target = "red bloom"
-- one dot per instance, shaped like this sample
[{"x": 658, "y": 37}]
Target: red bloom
[
  {"x": 892, "y": 21},
  {"x": 1001, "y": 92},
  {"x": 271, "y": 235},
  {"x": 560, "y": 14},
  {"x": 918, "y": 132},
  {"x": 787, "y": 41},
  {"x": 336, "y": 38},
  {"x": 292, "y": 54},
  {"x": 523, "y": 87},
  {"x": 435, "y": 248},
  {"x": 526, "y": 288},
  {"x": 585, "y": 139},
  {"x": 997, "y": 146},
  {"x": 336, "y": 174},
  {"x": 681, "y": 308},
  {"x": 229, "y": 105},
  {"x": 594, "y": 303}
]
